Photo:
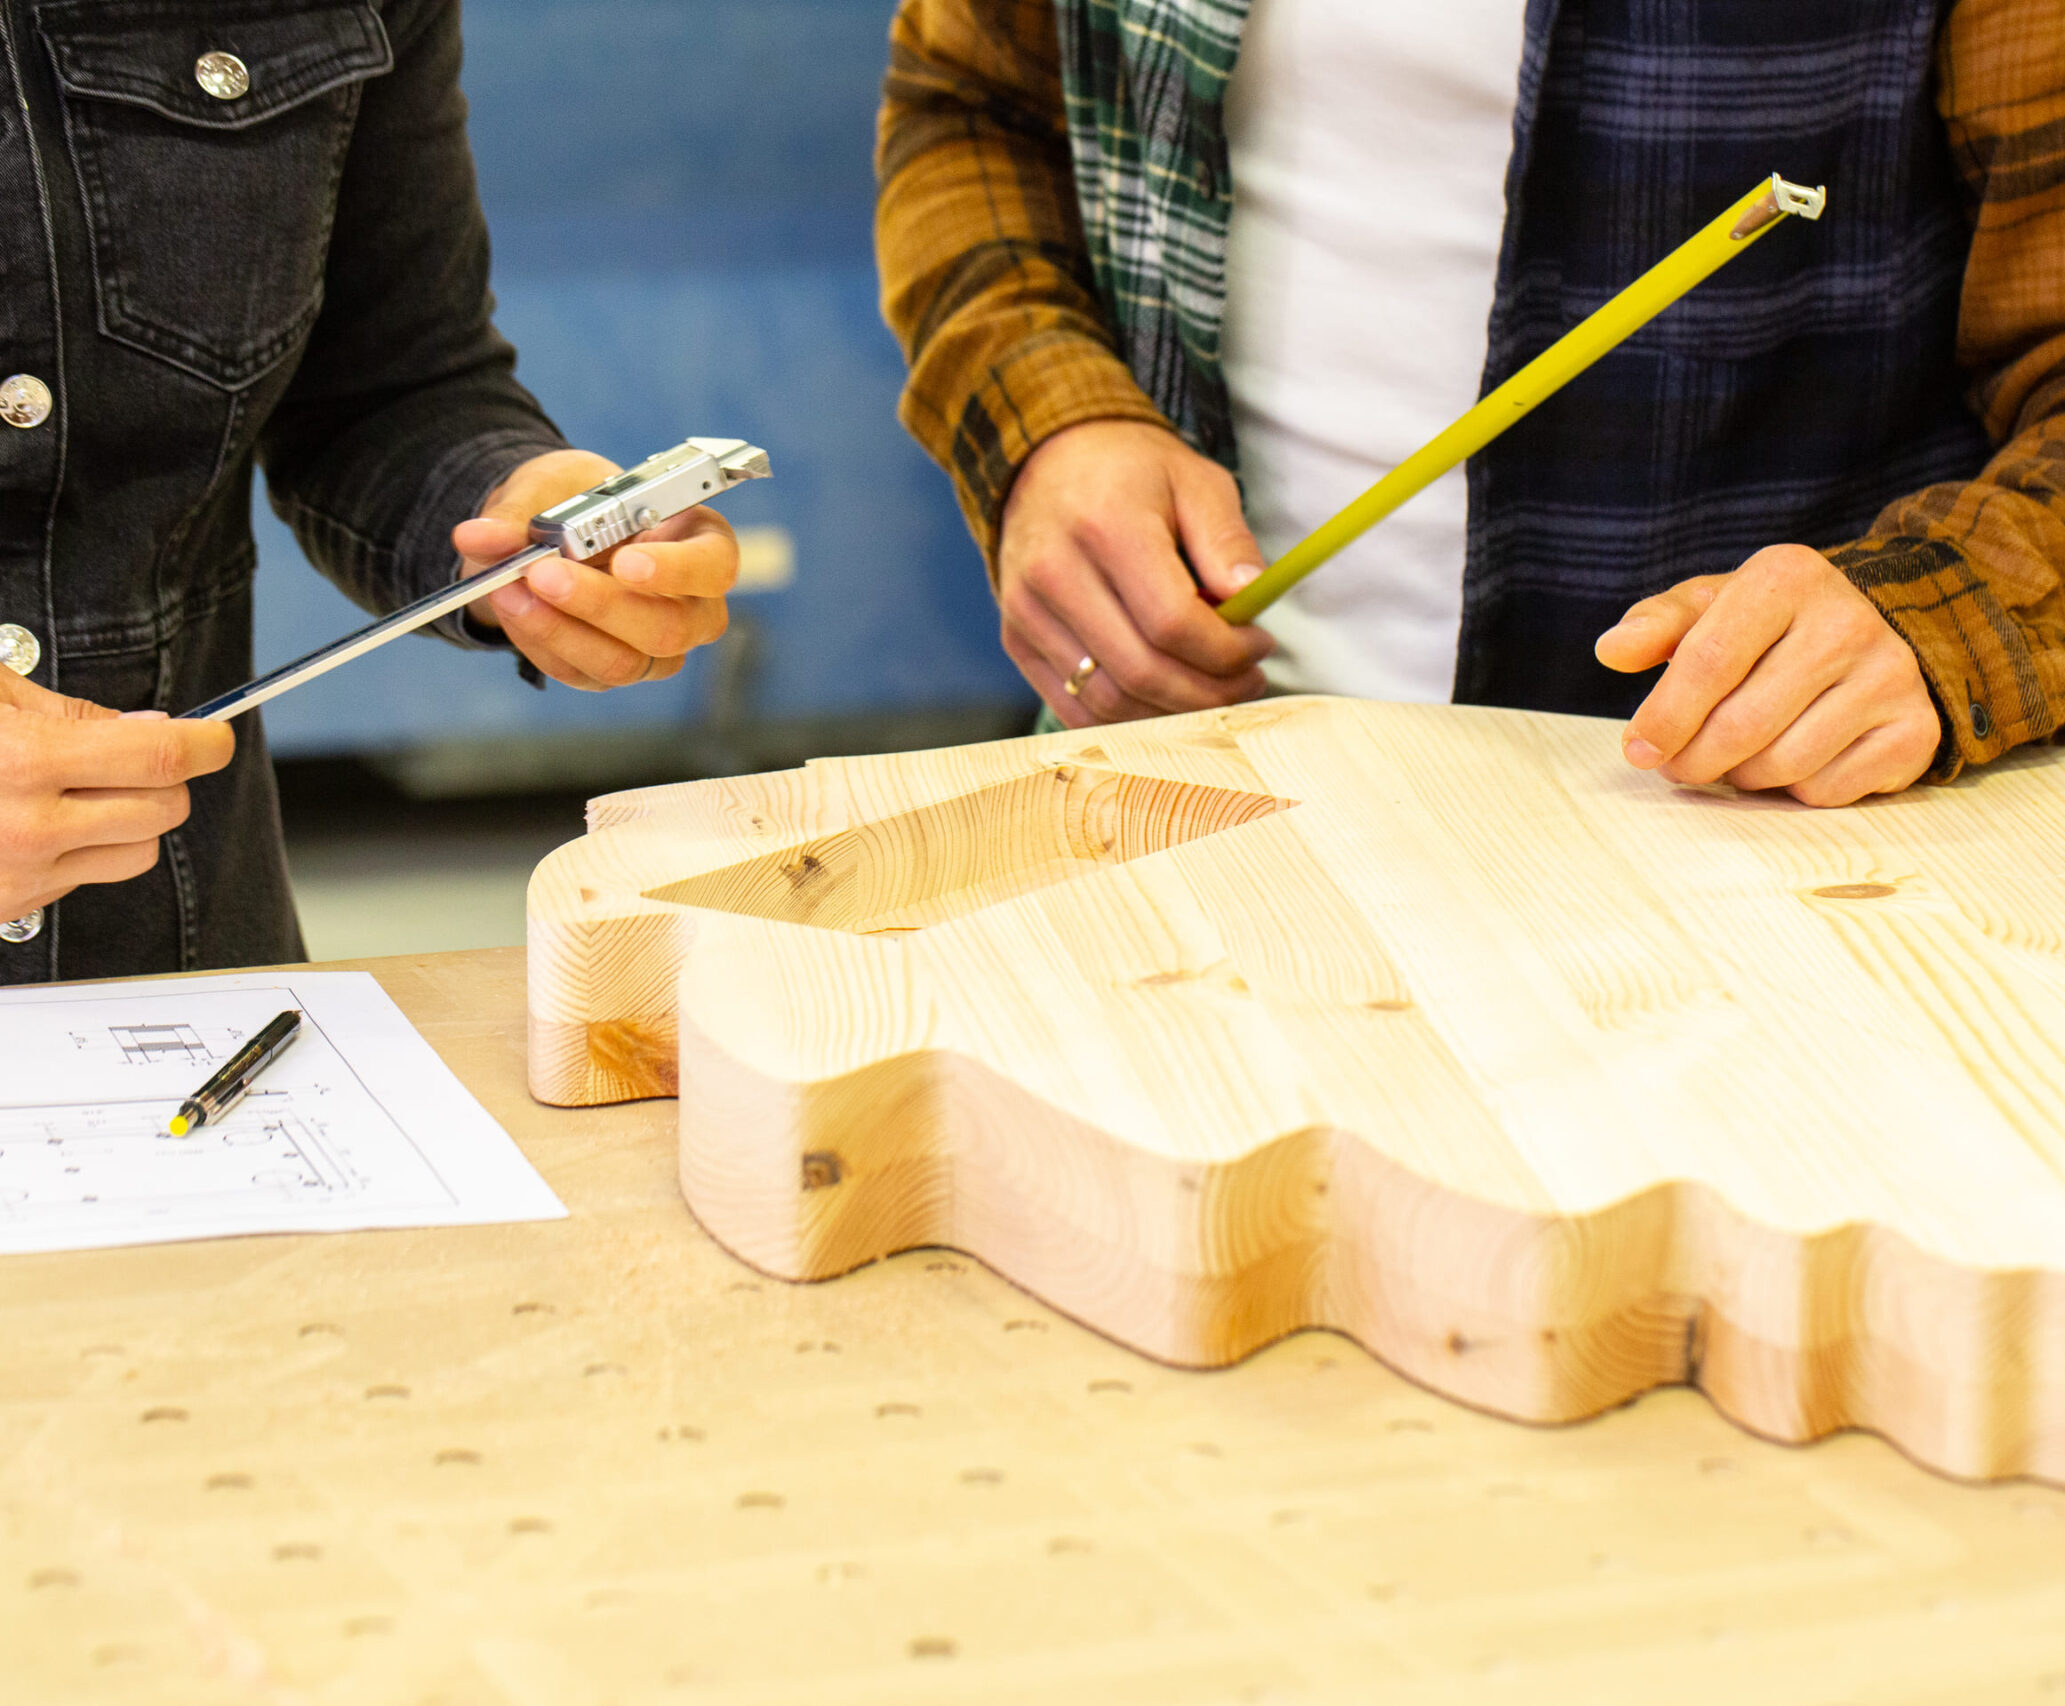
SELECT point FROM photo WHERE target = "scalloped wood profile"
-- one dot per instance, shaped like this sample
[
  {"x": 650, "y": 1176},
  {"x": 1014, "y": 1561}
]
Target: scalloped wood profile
[{"x": 1546, "y": 1081}]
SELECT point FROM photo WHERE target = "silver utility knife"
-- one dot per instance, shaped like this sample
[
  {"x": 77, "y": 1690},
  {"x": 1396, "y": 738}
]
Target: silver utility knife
[{"x": 660, "y": 487}]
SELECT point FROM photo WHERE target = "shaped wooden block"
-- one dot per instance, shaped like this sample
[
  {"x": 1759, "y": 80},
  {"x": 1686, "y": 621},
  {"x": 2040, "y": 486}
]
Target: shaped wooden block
[{"x": 1544, "y": 1080}]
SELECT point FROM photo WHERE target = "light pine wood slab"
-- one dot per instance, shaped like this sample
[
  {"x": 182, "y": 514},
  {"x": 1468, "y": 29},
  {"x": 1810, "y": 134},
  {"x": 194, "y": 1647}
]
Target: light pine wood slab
[{"x": 1547, "y": 1082}]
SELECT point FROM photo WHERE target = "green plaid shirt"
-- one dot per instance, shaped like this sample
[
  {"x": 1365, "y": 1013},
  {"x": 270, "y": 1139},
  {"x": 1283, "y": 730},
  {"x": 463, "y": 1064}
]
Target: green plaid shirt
[{"x": 1144, "y": 91}]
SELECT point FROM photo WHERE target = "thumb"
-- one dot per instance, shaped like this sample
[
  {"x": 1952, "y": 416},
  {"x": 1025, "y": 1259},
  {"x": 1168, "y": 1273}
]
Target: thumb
[
  {"x": 1214, "y": 533},
  {"x": 1649, "y": 633},
  {"x": 20, "y": 694},
  {"x": 504, "y": 523}
]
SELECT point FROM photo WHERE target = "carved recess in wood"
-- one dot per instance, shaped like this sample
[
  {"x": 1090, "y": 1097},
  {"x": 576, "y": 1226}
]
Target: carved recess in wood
[
  {"x": 917, "y": 868},
  {"x": 1542, "y": 1080}
]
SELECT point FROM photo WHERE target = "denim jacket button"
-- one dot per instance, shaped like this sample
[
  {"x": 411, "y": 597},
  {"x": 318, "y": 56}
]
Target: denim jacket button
[
  {"x": 23, "y": 929},
  {"x": 24, "y": 401},
  {"x": 223, "y": 75},
  {"x": 20, "y": 650}
]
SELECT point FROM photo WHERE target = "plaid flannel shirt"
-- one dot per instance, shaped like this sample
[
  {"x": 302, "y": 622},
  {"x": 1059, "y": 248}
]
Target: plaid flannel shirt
[{"x": 1052, "y": 223}]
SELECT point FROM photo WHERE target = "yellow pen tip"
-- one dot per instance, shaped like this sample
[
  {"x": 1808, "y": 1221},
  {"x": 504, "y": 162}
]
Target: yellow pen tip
[{"x": 179, "y": 1127}]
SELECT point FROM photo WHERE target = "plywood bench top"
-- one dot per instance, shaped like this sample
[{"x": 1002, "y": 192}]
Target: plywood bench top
[{"x": 600, "y": 1461}]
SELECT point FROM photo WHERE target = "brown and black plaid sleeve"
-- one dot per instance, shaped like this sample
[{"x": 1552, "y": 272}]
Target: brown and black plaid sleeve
[
  {"x": 985, "y": 279},
  {"x": 1970, "y": 574}
]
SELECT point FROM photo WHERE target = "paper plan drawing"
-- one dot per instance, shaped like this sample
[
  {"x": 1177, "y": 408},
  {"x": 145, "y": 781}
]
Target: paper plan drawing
[{"x": 358, "y": 1124}]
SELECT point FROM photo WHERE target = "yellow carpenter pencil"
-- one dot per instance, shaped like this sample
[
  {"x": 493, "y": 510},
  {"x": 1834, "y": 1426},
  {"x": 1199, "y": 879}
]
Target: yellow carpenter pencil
[{"x": 1696, "y": 259}]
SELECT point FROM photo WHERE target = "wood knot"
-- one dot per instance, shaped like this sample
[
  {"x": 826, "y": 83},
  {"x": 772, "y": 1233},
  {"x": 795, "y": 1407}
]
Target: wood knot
[
  {"x": 805, "y": 871},
  {"x": 1856, "y": 891},
  {"x": 821, "y": 1170}
]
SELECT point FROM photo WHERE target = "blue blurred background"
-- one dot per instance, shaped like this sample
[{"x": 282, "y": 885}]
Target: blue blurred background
[{"x": 680, "y": 194}]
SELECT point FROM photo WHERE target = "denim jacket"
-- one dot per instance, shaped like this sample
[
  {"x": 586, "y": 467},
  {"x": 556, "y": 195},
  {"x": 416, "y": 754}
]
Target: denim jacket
[{"x": 275, "y": 259}]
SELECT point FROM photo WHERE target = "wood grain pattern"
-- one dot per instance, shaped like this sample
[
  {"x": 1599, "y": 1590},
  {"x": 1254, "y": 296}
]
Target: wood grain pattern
[
  {"x": 1545, "y": 1081},
  {"x": 598, "y": 1462}
]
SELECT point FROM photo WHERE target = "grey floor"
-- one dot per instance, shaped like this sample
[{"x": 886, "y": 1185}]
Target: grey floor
[{"x": 378, "y": 873}]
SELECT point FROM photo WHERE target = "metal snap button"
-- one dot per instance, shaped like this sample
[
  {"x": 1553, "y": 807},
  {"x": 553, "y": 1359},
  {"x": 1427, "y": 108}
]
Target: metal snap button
[
  {"x": 24, "y": 401},
  {"x": 1982, "y": 720},
  {"x": 20, "y": 650},
  {"x": 23, "y": 929},
  {"x": 223, "y": 75}
]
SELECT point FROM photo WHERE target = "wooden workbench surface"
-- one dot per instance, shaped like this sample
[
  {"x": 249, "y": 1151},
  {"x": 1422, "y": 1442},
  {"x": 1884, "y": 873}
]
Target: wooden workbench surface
[{"x": 600, "y": 1461}]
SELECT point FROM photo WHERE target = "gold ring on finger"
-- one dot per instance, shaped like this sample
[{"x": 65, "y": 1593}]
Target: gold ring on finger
[{"x": 1074, "y": 685}]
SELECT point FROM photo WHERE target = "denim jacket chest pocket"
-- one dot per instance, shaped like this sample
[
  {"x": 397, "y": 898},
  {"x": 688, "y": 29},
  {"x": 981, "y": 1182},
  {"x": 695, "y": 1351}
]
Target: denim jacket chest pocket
[{"x": 209, "y": 140}]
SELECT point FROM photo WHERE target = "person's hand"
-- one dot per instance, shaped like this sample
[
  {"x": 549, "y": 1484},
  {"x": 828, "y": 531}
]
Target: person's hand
[
  {"x": 1782, "y": 675},
  {"x": 85, "y": 792},
  {"x": 1090, "y": 563},
  {"x": 633, "y": 615}
]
